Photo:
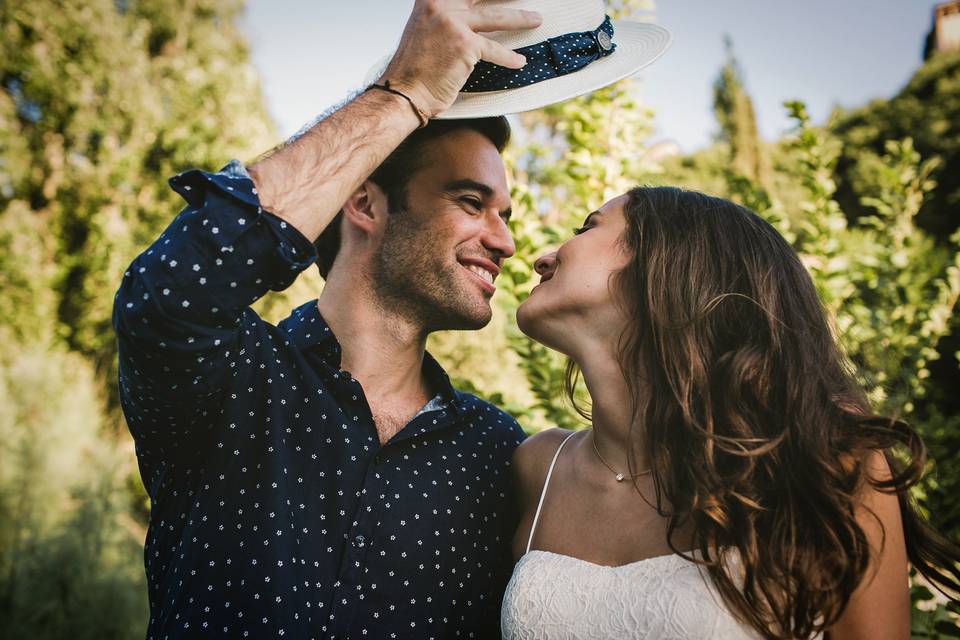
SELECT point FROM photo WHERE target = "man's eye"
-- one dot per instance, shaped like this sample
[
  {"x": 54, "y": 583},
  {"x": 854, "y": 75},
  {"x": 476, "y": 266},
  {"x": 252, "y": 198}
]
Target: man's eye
[{"x": 473, "y": 202}]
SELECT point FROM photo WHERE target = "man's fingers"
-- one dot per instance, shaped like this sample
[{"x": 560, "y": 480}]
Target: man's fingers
[
  {"x": 443, "y": 40},
  {"x": 498, "y": 54},
  {"x": 485, "y": 19}
]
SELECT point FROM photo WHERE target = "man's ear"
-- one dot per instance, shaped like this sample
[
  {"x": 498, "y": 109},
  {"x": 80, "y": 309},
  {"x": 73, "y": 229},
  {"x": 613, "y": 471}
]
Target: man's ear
[{"x": 366, "y": 209}]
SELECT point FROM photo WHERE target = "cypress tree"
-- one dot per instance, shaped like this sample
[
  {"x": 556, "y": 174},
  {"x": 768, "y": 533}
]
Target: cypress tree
[{"x": 738, "y": 124}]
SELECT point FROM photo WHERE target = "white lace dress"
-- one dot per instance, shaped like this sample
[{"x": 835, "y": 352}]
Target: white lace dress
[{"x": 556, "y": 597}]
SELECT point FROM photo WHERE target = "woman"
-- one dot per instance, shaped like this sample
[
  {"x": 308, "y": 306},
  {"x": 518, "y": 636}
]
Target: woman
[{"x": 734, "y": 483}]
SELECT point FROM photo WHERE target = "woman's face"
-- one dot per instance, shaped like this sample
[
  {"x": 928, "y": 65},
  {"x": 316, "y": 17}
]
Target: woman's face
[{"x": 574, "y": 303}]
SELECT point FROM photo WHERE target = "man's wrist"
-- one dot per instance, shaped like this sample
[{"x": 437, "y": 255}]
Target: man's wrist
[
  {"x": 306, "y": 182},
  {"x": 385, "y": 85},
  {"x": 397, "y": 103}
]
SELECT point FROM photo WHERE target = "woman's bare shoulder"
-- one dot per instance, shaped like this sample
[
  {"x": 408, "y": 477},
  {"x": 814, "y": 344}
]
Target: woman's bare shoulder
[{"x": 533, "y": 456}]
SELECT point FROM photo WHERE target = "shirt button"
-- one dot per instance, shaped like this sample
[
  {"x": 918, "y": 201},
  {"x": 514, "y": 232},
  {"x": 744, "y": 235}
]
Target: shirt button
[{"x": 359, "y": 542}]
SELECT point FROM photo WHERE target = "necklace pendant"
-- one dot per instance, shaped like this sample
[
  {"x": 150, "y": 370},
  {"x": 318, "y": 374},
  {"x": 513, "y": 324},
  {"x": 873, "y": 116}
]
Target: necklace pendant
[{"x": 619, "y": 477}]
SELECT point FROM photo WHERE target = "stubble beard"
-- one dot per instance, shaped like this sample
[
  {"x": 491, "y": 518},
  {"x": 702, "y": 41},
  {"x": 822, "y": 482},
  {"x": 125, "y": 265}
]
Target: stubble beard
[{"x": 414, "y": 276}]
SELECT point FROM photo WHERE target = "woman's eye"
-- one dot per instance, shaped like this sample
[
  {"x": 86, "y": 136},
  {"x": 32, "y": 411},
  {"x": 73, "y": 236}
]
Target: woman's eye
[{"x": 580, "y": 230}]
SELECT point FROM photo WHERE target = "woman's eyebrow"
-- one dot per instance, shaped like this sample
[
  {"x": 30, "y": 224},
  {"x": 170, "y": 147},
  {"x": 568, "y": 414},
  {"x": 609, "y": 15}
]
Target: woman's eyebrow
[{"x": 590, "y": 217}]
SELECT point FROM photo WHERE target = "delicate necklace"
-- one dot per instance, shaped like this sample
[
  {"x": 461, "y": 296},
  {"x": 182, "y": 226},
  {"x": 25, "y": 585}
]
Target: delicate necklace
[{"x": 619, "y": 476}]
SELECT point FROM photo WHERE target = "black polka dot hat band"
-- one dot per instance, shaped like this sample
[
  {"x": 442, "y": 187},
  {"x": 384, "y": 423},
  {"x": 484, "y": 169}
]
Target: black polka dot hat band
[
  {"x": 576, "y": 49},
  {"x": 552, "y": 58}
]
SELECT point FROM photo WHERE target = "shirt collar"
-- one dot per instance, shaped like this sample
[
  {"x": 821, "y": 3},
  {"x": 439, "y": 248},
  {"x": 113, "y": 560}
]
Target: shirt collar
[{"x": 306, "y": 329}]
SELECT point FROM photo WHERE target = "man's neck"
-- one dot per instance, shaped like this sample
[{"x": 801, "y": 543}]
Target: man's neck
[{"x": 381, "y": 350}]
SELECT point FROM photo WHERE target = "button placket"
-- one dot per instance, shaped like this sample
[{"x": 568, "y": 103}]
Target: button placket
[{"x": 354, "y": 558}]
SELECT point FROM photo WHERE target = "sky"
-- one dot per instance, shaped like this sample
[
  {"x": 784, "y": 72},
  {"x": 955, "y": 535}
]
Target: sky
[{"x": 312, "y": 53}]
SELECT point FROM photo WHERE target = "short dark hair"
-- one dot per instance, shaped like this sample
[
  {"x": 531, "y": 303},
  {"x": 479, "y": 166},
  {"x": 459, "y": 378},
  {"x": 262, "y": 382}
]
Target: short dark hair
[{"x": 393, "y": 175}]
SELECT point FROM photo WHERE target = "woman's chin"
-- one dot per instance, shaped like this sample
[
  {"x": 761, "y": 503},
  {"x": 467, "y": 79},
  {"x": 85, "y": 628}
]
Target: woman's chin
[
  {"x": 527, "y": 318},
  {"x": 535, "y": 325}
]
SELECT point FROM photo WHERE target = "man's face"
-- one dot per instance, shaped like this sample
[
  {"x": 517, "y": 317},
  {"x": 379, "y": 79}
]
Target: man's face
[{"x": 441, "y": 254}]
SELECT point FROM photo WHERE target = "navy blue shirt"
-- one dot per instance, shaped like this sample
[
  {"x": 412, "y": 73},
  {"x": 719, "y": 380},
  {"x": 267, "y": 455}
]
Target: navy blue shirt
[{"x": 275, "y": 511}]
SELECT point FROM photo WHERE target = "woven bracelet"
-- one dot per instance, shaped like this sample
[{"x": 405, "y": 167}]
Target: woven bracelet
[{"x": 424, "y": 119}]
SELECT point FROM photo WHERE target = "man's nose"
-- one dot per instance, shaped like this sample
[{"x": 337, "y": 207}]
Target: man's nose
[
  {"x": 499, "y": 240},
  {"x": 545, "y": 263}
]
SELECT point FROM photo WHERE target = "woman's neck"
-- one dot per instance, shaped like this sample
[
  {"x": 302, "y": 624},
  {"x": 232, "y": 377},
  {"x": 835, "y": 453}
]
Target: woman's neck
[{"x": 615, "y": 427}]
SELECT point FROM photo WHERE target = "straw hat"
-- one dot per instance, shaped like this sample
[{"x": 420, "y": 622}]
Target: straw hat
[{"x": 577, "y": 49}]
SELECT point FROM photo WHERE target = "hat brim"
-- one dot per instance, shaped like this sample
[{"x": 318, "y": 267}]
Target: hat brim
[{"x": 638, "y": 45}]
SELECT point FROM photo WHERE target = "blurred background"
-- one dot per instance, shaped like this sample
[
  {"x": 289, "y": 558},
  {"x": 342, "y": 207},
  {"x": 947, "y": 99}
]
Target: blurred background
[{"x": 838, "y": 122}]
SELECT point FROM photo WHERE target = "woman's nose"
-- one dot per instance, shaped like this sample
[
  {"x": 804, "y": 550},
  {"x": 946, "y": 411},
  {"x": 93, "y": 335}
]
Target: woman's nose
[{"x": 545, "y": 263}]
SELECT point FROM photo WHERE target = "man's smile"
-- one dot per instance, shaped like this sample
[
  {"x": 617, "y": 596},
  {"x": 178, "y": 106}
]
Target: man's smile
[{"x": 483, "y": 270}]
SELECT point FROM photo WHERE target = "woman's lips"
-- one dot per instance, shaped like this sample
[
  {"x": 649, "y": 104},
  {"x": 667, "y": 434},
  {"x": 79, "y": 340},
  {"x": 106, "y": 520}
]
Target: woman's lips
[{"x": 543, "y": 279}]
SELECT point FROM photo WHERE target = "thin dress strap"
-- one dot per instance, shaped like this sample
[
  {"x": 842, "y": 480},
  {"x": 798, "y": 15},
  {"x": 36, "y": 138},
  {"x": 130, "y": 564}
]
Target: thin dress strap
[{"x": 543, "y": 492}]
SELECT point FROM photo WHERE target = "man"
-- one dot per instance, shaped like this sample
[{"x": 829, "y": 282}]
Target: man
[{"x": 321, "y": 478}]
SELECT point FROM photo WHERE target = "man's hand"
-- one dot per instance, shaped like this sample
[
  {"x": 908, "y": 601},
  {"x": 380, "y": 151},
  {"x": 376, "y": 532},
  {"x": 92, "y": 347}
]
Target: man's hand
[{"x": 441, "y": 44}]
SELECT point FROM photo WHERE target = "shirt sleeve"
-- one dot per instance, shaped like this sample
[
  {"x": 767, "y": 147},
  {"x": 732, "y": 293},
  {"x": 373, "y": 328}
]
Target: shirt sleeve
[{"x": 180, "y": 306}]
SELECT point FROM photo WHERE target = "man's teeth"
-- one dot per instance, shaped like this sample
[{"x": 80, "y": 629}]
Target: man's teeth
[{"x": 480, "y": 271}]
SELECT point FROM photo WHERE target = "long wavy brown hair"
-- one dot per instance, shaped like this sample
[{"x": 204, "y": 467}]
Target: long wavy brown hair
[{"x": 756, "y": 430}]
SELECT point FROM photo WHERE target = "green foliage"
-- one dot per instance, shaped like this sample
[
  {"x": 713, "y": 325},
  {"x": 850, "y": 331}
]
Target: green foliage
[
  {"x": 87, "y": 141},
  {"x": 930, "y": 617},
  {"x": 69, "y": 553},
  {"x": 890, "y": 289},
  {"x": 26, "y": 273},
  {"x": 927, "y": 110},
  {"x": 938, "y": 494}
]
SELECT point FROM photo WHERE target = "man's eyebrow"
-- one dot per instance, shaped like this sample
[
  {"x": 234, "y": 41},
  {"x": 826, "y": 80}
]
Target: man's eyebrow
[{"x": 466, "y": 184}]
